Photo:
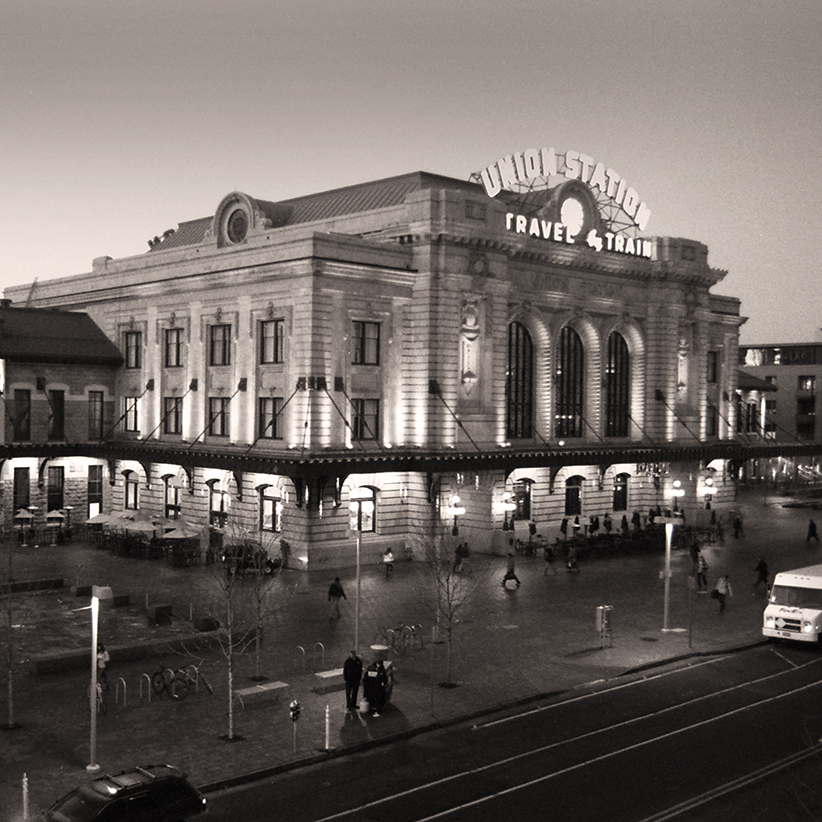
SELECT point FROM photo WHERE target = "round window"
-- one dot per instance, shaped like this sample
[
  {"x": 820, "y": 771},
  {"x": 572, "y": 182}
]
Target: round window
[{"x": 237, "y": 226}]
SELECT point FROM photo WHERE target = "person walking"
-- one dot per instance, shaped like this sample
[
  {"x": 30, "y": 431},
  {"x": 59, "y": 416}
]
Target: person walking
[
  {"x": 723, "y": 590},
  {"x": 812, "y": 532},
  {"x": 607, "y": 523},
  {"x": 738, "y": 531},
  {"x": 103, "y": 658},
  {"x": 352, "y": 676},
  {"x": 511, "y": 572},
  {"x": 549, "y": 559},
  {"x": 563, "y": 528},
  {"x": 388, "y": 561},
  {"x": 761, "y": 574},
  {"x": 335, "y": 594},
  {"x": 701, "y": 573},
  {"x": 571, "y": 563}
]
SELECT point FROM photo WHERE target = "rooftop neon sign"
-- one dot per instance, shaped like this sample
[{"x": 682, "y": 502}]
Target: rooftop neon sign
[{"x": 526, "y": 167}]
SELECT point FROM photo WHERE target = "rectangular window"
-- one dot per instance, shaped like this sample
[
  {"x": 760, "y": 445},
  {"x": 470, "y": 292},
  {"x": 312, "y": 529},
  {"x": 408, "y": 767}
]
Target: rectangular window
[
  {"x": 172, "y": 415},
  {"x": 131, "y": 414},
  {"x": 712, "y": 422},
  {"x": 218, "y": 418},
  {"x": 805, "y": 383},
  {"x": 133, "y": 343},
  {"x": 366, "y": 343},
  {"x": 96, "y": 405},
  {"x": 21, "y": 415},
  {"x": 57, "y": 415},
  {"x": 806, "y": 405},
  {"x": 173, "y": 348},
  {"x": 132, "y": 491},
  {"x": 219, "y": 348},
  {"x": 713, "y": 366},
  {"x": 271, "y": 342},
  {"x": 172, "y": 499},
  {"x": 22, "y": 490},
  {"x": 366, "y": 419},
  {"x": 217, "y": 506},
  {"x": 94, "y": 490},
  {"x": 270, "y": 511},
  {"x": 269, "y": 418}
]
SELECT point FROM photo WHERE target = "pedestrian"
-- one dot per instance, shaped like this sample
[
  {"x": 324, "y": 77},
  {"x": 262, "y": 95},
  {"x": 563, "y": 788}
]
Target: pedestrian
[
  {"x": 388, "y": 561},
  {"x": 636, "y": 521},
  {"x": 352, "y": 675},
  {"x": 722, "y": 591},
  {"x": 812, "y": 532},
  {"x": 624, "y": 525},
  {"x": 563, "y": 528},
  {"x": 511, "y": 572},
  {"x": 571, "y": 563},
  {"x": 607, "y": 523},
  {"x": 651, "y": 516},
  {"x": 738, "y": 531},
  {"x": 761, "y": 573},
  {"x": 373, "y": 687},
  {"x": 701, "y": 572},
  {"x": 549, "y": 559},
  {"x": 335, "y": 594},
  {"x": 103, "y": 658}
]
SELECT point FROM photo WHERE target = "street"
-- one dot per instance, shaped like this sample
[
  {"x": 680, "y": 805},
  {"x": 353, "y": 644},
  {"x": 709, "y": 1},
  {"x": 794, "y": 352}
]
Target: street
[{"x": 628, "y": 752}]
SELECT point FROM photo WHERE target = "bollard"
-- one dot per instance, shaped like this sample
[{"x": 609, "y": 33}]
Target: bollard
[
  {"x": 328, "y": 727},
  {"x": 25, "y": 797}
]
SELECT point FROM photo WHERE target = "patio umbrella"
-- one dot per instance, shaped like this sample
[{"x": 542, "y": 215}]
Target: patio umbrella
[
  {"x": 98, "y": 519},
  {"x": 23, "y": 514},
  {"x": 184, "y": 531},
  {"x": 138, "y": 526}
]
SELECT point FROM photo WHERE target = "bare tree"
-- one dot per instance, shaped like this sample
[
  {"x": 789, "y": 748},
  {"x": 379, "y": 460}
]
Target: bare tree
[
  {"x": 452, "y": 588},
  {"x": 243, "y": 608}
]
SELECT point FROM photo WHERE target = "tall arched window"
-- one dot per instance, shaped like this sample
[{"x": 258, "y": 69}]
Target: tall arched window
[
  {"x": 617, "y": 386},
  {"x": 569, "y": 377},
  {"x": 520, "y": 383},
  {"x": 573, "y": 496}
]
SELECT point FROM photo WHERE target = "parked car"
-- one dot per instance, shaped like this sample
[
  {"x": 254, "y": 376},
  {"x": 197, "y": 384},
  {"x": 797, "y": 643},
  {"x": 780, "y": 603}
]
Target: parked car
[
  {"x": 250, "y": 555},
  {"x": 151, "y": 793}
]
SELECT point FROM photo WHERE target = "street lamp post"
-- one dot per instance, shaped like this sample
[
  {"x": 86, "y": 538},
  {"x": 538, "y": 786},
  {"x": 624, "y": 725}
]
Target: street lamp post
[
  {"x": 677, "y": 492},
  {"x": 358, "y": 496},
  {"x": 97, "y": 594}
]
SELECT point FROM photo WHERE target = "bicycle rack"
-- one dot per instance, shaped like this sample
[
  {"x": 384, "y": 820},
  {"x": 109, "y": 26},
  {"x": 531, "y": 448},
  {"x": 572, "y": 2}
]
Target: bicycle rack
[
  {"x": 194, "y": 676},
  {"x": 314, "y": 654},
  {"x": 117, "y": 691},
  {"x": 147, "y": 678},
  {"x": 302, "y": 651}
]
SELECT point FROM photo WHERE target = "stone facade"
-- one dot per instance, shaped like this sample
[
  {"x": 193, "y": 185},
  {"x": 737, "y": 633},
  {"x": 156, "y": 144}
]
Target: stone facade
[{"x": 371, "y": 329}]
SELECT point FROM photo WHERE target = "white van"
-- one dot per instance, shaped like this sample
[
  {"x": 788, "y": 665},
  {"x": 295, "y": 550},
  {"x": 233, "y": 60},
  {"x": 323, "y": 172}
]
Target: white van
[{"x": 795, "y": 605}]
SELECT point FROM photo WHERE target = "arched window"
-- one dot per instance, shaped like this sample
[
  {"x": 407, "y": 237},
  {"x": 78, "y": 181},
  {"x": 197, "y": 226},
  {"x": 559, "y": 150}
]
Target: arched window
[
  {"x": 573, "y": 496},
  {"x": 621, "y": 492},
  {"x": 569, "y": 376},
  {"x": 520, "y": 383},
  {"x": 171, "y": 496},
  {"x": 617, "y": 386},
  {"x": 218, "y": 503}
]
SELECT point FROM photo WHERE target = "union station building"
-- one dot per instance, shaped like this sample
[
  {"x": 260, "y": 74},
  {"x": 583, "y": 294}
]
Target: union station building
[{"x": 386, "y": 359}]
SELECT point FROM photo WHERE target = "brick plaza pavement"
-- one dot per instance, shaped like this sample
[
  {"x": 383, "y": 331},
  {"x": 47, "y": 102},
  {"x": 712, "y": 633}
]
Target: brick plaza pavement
[{"x": 535, "y": 642}]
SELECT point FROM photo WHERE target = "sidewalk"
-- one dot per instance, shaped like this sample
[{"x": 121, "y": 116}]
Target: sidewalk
[{"x": 512, "y": 645}]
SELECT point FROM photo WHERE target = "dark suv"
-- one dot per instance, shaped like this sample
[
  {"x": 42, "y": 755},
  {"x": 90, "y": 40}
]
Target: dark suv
[
  {"x": 152, "y": 793},
  {"x": 249, "y": 556}
]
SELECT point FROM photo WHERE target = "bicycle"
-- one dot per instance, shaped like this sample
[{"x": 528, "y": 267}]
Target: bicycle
[
  {"x": 175, "y": 682},
  {"x": 199, "y": 677},
  {"x": 401, "y": 638}
]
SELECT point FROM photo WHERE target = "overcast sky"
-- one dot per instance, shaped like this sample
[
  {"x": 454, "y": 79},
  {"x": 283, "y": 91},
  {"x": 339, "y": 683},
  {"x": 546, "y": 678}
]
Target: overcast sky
[{"x": 121, "y": 119}]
